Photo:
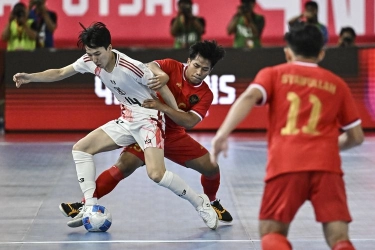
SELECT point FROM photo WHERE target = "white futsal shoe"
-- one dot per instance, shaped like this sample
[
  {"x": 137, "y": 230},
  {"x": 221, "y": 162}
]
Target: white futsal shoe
[
  {"x": 77, "y": 220},
  {"x": 207, "y": 213}
]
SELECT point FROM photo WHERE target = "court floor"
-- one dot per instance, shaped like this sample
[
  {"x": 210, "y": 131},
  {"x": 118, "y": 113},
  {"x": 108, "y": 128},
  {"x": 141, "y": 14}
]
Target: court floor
[{"x": 37, "y": 173}]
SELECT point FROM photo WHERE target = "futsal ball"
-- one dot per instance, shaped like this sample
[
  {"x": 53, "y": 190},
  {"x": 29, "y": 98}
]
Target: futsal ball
[{"x": 97, "y": 219}]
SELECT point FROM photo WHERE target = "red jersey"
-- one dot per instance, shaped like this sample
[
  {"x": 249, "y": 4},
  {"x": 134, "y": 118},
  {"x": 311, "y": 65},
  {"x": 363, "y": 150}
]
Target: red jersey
[
  {"x": 307, "y": 107},
  {"x": 189, "y": 97}
]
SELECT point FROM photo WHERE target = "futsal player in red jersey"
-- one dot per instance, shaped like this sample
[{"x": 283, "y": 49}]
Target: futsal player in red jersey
[
  {"x": 193, "y": 97},
  {"x": 308, "y": 106}
]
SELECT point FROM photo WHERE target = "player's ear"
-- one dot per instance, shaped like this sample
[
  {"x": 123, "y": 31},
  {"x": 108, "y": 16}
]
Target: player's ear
[
  {"x": 288, "y": 54},
  {"x": 321, "y": 55},
  {"x": 109, "y": 47}
]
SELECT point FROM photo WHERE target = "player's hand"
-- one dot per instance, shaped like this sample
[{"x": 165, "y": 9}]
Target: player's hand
[
  {"x": 157, "y": 81},
  {"x": 218, "y": 145},
  {"x": 153, "y": 104},
  {"x": 21, "y": 78}
]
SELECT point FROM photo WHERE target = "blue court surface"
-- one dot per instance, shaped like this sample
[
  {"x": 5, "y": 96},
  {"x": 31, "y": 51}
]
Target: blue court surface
[{"x": 37, "y": 173}]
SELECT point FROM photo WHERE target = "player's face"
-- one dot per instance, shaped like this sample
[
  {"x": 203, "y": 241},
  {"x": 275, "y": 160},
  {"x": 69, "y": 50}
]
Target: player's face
[
  {"x": 197, "y": 69},
  {"x": 100, "y": 56}
]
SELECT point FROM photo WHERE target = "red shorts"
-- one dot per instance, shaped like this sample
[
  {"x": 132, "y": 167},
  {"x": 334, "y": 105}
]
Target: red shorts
[
  {"x": 285, "y": 194},
  {"x": 178, "y": 147}
]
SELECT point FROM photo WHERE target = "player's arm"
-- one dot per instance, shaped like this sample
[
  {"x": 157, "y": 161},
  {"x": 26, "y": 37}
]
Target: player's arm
[
  {"x": 158, "y": 83},
  {"x": 50, "y": 75},
  {"x": 351, "y": 138},
  {"x": 168, "y": 97},
  {"x": 239, "y": 110},
  {"x": 185, "y": 119}
]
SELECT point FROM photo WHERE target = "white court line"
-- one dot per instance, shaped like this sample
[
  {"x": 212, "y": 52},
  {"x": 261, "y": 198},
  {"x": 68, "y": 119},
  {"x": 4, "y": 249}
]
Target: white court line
[{"x": 156, "y": 241}]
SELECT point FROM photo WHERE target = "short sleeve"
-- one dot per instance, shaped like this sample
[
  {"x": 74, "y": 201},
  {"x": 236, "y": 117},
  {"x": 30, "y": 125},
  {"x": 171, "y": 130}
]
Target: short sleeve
[
  {"x": 81, "y": 66},
  {"x": 263, "y": 81},
  {"x": 147, "y": 73},
  {"x": 348, "y": 114}
]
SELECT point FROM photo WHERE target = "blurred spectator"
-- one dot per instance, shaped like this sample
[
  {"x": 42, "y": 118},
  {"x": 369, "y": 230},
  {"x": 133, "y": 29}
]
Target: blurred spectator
[
  {"x": 310, "y": 16},
  {"x": 246, "y": 26},
  {"x": 20, "y": 32},
  {"x": 46, "y": 23},
  {"x": 185, "y": 27},
  {"x": 347, "y": 37}
]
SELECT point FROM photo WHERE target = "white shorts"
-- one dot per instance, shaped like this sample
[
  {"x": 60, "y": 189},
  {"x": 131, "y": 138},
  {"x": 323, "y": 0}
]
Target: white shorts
[{"x": 146, "y": 130}]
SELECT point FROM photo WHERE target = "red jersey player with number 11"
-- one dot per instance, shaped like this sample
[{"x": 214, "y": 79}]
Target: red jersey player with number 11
[{"x": 307, "y": 107}]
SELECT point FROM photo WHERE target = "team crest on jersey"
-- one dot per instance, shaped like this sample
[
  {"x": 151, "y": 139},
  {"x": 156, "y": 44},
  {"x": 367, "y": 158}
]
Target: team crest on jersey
[
  {"x": 97, "y": 71},
  {"x": 193, "y": 99}
]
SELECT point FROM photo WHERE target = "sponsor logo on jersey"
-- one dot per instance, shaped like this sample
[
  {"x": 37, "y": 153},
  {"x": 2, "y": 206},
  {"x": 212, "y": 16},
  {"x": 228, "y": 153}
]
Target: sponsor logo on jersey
[{"x": 80, "y": 180}]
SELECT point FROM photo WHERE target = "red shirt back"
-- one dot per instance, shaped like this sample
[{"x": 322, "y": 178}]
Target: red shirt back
[{"x": 307, "y": 107}]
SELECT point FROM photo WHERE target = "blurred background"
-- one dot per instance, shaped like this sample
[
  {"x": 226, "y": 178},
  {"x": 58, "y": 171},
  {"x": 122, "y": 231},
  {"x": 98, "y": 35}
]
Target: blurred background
[{"x": 141, "y": 29}]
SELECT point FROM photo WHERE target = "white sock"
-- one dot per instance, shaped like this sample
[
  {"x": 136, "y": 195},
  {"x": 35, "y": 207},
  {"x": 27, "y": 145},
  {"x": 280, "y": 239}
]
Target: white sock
[
  {"x": 86, "y": 174},
  {"x": 178, "y": 186}
]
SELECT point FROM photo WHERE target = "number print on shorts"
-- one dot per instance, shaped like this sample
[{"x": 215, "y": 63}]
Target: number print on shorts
[{"x": 291, "y": 124}]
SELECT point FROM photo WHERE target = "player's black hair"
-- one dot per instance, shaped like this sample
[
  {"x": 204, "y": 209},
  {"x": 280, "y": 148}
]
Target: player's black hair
[
  {"x": 95, "y": 36},
  {"x": 185, "y": 1},
  {"x": 210, "y": 50},
  {"x": 311, "y": 4},
  {"x": 306, "y": 40},
  {"x": 247, "y": 2},
  {"x": 348, "y": 29}
]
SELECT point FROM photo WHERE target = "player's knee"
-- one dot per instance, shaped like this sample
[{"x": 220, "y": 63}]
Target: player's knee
[
  {"x": 212, "y": 171},
  {"x": 78, "y": 146},
  {"x": 155, "y": 175}
]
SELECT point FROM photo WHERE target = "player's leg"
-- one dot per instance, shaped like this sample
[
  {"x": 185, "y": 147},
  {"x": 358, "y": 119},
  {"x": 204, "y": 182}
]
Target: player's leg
[
  {"x": 330, "y": 204},
  {"x": 274, "y": 235},
  {"x": 95, "y": 142},
  {"x": 154, "y": 158},
  {"x": 125, "y": 165},
  {"x": 210, "y": 180},
  {"x": 336, "y": 234},
  {"x": 184, "y": 150},
  {"x": 283, "y": 196},
  {"x": 110, "y": 136}
]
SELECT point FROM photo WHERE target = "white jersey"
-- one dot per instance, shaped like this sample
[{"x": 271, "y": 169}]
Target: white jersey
[{"x": 127, "y": 81}]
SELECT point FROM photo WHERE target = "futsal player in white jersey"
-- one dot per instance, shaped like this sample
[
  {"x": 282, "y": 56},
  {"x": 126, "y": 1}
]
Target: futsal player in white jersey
[{"x": 132, "y": 83}]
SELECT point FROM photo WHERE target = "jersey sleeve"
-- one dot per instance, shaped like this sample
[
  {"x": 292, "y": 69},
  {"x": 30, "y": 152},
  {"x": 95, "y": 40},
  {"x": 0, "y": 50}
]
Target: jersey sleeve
[
  {"x": 263, "y": 81},
  {"x": 348, "y": 116},
  {"x": 147, "y": 74},
  {"x": 167, "y": 65},
  {"x": 203, "y": 105},
  {"x": 81, "y": 65}
]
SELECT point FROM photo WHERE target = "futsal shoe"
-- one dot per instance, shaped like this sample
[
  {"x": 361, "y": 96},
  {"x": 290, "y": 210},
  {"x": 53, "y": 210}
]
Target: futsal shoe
[
  {"x": 222, "y": 213},
  {"x": 70, "y": 209},
  {"x": 207, "y": 213},
  {"x": 77, "y": 220}
]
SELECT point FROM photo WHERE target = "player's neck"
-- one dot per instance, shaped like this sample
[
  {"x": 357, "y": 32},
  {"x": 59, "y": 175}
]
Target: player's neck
[
  {"x": 304, "y": 59},
  {"x": 111, "y": 63}
]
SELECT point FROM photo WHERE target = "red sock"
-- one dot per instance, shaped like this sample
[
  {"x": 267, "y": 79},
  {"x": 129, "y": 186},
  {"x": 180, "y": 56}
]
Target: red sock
[
  {"x": 274, "y": 241},
  {"x": 343, "y": 245},
  {"x": 107, "y": 181},
  {"x": 211, "y": 185}
]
